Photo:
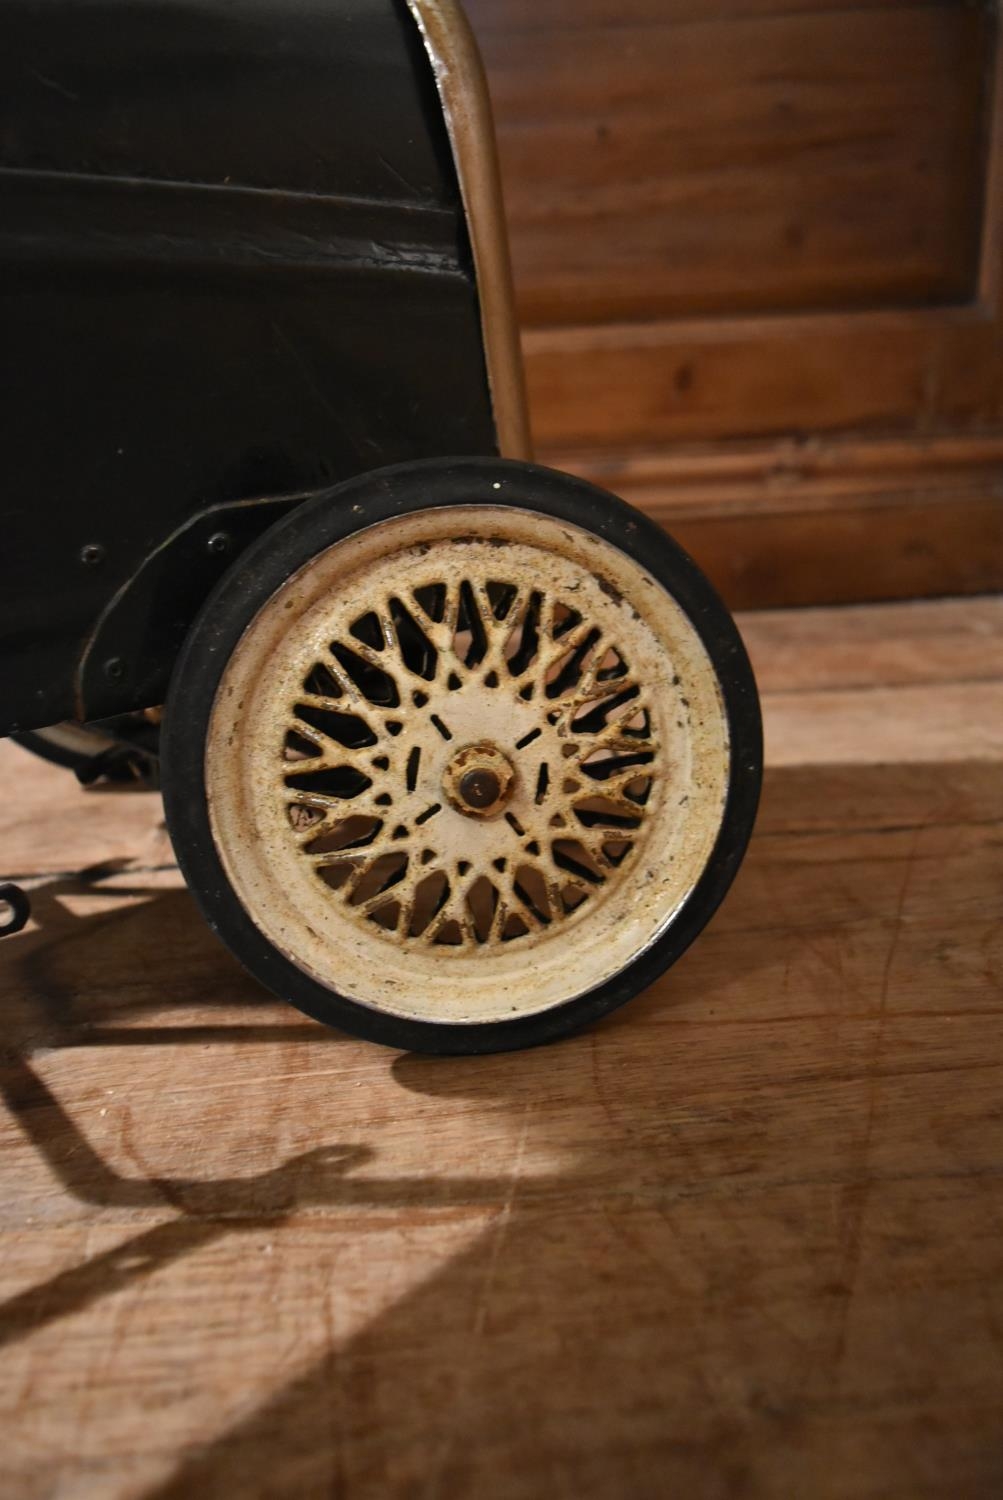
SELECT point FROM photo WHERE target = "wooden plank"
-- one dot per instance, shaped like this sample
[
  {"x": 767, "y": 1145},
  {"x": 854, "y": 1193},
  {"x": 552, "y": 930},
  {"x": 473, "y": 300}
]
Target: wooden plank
[
  {"x": 855, "y": 798},
  {"x": 852, "y": 551},
  {"x": 950, "y": 641},
  {"x": 898, "y": 730},
  {"x": 821, "y": 520},
  {"x": 743, "y": 1238},
  {"x": 558, "y": 17},
  {"x": 658, "y": 168},
  {"x": 131, "y": 824},
  {"x": 628, "y": 384},
  {"x": 793, "y": 475},
  {"x": 858, "y": 686},
  {"x": 992, "y": 233}
]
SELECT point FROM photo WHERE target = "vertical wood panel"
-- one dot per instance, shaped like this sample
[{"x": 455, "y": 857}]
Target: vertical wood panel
[
  {"x": 666, "y": 167},
  {"x": 746, "y": 227}
]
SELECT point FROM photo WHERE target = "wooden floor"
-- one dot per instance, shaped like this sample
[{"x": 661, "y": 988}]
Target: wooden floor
[{"x": 743, "y": 1239}]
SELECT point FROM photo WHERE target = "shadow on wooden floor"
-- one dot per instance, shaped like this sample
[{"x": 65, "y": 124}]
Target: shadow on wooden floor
[{"x": 683, "y": 1298}]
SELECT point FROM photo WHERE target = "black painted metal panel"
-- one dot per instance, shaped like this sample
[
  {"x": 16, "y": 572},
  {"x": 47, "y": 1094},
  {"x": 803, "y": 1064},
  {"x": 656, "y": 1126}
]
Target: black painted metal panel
[{"x": 233, "y": 263}]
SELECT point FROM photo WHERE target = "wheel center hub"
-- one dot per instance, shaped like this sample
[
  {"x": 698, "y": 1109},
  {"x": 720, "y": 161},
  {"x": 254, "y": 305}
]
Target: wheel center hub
[{"x": 479, "y": 780}]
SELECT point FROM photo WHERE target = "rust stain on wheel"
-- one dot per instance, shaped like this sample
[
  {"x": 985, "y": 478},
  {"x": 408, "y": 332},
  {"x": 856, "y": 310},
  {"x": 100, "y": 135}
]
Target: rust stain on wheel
[{"x": 467, "y": 764}]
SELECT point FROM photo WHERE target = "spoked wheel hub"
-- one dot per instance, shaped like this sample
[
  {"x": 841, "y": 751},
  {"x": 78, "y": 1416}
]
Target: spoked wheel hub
[{"x": 479, "y": 780}]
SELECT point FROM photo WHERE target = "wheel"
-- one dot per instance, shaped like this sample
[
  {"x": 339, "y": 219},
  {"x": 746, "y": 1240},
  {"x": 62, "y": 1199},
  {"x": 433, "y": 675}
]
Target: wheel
[
  {"x": 72, "y": 746},
  {"x": 462, "y": 755},
  {"x": 92, "y": 754},
  {"x": 15, "y": 909}
]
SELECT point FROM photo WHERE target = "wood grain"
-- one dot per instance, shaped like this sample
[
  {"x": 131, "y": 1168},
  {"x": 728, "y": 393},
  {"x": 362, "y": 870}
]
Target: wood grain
[
  {"x": 743, "y": 1239},
  {"x": 903, "y": 548},
  {"x": 822, "y": 521},
  {"x": 918, "y": 374},
  {"x": 662, "y": 165},
  {"x": 753, "y": 222}
]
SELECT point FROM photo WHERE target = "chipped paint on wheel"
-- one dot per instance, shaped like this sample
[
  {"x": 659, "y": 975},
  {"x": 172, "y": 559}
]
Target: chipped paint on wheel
[{"x": 467, "y": 764}]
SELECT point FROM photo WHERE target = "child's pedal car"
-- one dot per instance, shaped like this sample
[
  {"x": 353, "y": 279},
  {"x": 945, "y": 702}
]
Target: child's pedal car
[{"x": 458, "y": 753}]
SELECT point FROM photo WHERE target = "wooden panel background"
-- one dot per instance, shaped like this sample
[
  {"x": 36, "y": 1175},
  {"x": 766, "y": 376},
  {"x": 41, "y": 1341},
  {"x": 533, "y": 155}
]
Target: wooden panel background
[{"x": 759, "y": 237}]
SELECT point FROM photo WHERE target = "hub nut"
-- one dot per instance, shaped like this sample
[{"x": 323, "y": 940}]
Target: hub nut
[
  {"x": 479, "y": 780},
  {"x": 480, "y": 789}
]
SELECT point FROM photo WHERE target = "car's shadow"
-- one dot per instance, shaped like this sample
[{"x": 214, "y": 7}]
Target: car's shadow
[{"x": 589, "y": 1319}]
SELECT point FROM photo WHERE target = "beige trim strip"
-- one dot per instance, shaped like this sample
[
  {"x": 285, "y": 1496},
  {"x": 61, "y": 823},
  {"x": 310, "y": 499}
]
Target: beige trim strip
[{"x": 463, "y": 90}]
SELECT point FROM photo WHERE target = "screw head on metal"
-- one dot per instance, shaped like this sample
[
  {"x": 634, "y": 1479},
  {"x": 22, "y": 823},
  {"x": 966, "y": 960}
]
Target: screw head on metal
[
  {"x": 479, "y": 780},
  {"x": 480, "y": 788},
  {"x": 219, "y": 542},
  {"x": 114, "y": 669},
  {"x": 91, "y": 554}
]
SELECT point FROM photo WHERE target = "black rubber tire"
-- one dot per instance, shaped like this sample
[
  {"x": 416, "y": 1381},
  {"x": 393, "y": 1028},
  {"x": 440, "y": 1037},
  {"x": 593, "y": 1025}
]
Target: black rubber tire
[
  {"x": 18, "y": 904},
  {"x": 315, "y": 526}
]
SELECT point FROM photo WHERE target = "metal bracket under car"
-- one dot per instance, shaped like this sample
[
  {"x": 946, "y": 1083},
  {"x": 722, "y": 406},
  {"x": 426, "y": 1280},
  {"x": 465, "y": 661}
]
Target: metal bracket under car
[{"x": 18, "y": 907}]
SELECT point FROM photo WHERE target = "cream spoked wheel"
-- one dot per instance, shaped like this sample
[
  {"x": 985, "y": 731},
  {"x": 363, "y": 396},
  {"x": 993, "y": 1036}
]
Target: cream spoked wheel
[
  {"x": 458, "y": 773},
  {"x": 466, "y": 765}
]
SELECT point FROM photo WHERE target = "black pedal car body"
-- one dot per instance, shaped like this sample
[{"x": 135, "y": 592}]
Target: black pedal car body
[{"x": 258, "y": 339}]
